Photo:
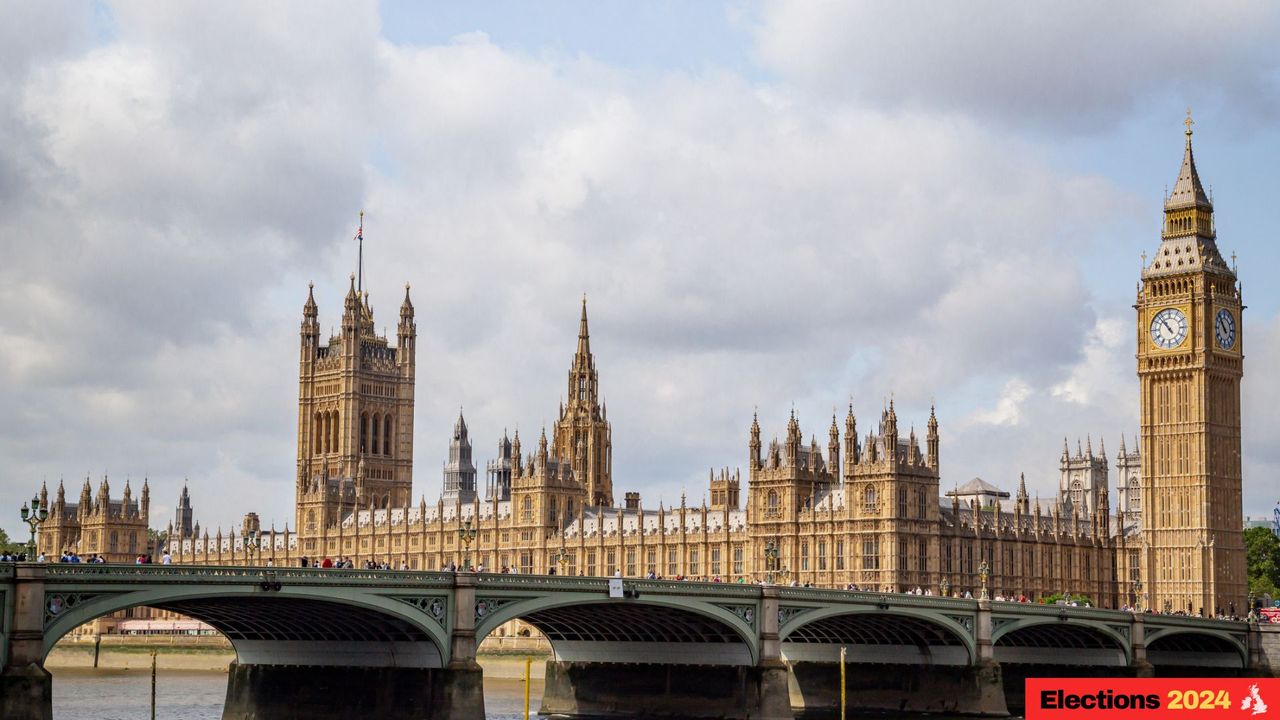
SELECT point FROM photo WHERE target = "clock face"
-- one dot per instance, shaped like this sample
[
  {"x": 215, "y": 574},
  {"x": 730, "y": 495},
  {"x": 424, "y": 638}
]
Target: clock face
[
  {"x": 1169, "y": 328},
  {"x": 1224, "y": 329}
]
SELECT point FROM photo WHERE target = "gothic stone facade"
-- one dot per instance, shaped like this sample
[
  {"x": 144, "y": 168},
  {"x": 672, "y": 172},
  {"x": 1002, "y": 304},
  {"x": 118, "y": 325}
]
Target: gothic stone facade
[
  {"x": 96, "y": 525},
  {"x": 868, "y": 512}
]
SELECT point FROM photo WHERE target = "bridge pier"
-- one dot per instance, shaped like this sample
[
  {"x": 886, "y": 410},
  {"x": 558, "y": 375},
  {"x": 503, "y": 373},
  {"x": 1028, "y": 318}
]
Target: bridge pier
[
  {"x": 26, "y": 688},
  {"x": 627, "y": 690},
  {"x": 1138, "y": 648},
  {"x": 283, "y": 692}
]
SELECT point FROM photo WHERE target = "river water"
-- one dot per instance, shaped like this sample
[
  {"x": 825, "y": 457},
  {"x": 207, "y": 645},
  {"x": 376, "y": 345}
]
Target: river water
[{"x": 85, "y": 694}]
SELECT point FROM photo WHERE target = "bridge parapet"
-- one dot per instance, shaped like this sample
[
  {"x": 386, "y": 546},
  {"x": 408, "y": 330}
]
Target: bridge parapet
[{"x": 95, "y": 573}]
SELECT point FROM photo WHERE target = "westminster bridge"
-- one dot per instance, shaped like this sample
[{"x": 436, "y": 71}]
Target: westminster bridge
[{"x": 387, "y": 644}]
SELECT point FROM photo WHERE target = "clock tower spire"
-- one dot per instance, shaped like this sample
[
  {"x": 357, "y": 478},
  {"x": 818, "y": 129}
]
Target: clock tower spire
[{"x": 1190, "y": 363}]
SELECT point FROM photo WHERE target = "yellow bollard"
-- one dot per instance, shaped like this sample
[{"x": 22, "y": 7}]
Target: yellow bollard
[
  {"x": 842, "y": 651},
  {"x": 528, "y": 663}
]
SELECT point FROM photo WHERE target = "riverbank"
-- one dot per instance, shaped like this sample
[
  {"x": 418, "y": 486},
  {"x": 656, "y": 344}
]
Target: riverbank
[{"x": 214, "y": 654}]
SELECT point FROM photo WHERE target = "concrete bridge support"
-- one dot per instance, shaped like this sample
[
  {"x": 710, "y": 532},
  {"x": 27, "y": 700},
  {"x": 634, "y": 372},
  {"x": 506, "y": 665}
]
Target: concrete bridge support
[
  {"x": 26, "y": 688},
  {"x": 284, "y": 692},
  {"x": 948, "y": 680},
  {"x": 644, "y": 690}
]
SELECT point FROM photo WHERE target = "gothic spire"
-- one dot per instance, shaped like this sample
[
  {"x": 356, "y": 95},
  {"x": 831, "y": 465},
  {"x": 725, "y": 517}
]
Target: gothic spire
[
  {"x": 1188, "y": 191},
  {"x": 309, "y": 308},
  {"x": 584, "y": 336}
]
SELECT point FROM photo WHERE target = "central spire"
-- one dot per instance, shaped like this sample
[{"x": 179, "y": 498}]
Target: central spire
[{"x": 584, "y": 336}]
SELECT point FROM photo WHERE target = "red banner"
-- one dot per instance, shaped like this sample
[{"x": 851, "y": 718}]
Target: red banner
[{"x": 1153, "y": 698}]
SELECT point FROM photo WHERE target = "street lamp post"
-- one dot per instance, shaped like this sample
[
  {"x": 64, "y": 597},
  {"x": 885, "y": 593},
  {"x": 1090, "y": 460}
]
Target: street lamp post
[
  {"x": 254, "y": 542},
  {"x": 562, "y": 559},
  {"x": 984, "y": 572},
  {"x": 33, "y": 516},
  {"x": 770, "y": 560},
  {"x": 467, "y": 535},
  {"x": 1137, "y": 596},
  {"x": 946, "y": 587}
]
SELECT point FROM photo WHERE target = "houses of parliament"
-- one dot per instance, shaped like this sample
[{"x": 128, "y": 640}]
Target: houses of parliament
[{"x": 866, "y": 510}]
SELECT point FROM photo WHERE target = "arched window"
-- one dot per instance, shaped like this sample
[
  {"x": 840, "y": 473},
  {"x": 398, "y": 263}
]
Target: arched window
[
  {"x": 526, "y": 509},
  {"x": 114, "y": 544},
  {"x": 337, "y": 421},
  {"x": 133, "y": 543},
  {"x": 552, "y": 517},
  {"x": 377, "y": 425},
  {"x": 772, "y": 507},
  {"x": 311, "y": 519},
  {"x": 386, "y": 434},
  {"x": 1135, "y": 495},
  {"x": 869, "y": 497},
  {"x": 364, "y": 432},
  {"x": 316, "y": 434}
]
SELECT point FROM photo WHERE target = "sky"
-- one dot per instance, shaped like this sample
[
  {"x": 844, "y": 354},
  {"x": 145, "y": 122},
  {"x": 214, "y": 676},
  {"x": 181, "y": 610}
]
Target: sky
[{"x": 769, "y": 206}]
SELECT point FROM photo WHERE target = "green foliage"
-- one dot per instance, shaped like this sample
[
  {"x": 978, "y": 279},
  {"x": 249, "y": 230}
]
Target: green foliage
[
  {"x": 7, "y": 545},
  {"x": 1262, "y": 548}
]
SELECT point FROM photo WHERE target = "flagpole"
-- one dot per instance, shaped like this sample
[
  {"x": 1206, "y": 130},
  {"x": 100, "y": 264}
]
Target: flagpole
[{"x": 360, "y": 256}]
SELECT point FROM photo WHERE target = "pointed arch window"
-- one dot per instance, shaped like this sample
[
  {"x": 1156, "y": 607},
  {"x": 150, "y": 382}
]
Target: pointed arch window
[
  {"x": 771, "y": 507},
  {"x": 374, "y": 433},
  {"x": 386, "y": 434},
  {"x": 526, "y": 509},
  {"x": 364, "y": 432}
]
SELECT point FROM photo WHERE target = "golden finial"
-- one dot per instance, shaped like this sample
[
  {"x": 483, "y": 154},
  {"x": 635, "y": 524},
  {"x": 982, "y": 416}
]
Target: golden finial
[{"x": 1189, "y": 122}]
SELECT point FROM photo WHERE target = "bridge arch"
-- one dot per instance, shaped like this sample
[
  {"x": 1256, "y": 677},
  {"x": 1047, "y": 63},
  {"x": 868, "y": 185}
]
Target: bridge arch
[
  {"x": 1041, "y": 640},
  {"x": 900, "y": 635},
  {"x": 649, "y": 629},
  {"x": 296, "y": 625},
  {"x": 1196, "y": 647}
]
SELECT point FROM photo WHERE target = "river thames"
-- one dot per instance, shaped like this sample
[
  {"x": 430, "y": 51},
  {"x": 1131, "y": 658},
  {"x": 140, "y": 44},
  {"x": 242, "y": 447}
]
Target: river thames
[{"x": 106, "y": 694}]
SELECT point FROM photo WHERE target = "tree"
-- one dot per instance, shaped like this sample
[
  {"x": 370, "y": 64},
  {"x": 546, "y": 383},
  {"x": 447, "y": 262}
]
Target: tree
[
  {"x": 1262, "y": 548},
  {"x": 7, "y": 545}
]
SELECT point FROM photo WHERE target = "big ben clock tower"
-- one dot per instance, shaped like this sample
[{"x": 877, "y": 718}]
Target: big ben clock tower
[{"x": 1190, "y": 362}]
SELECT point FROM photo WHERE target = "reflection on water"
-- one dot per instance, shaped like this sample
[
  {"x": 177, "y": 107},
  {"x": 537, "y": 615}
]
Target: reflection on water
[{"x": 83, "y": 694}]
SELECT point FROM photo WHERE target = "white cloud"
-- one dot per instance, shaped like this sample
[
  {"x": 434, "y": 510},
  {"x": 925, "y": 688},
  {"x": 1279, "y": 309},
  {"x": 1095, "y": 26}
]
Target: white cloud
[
  {"x": 741, "y": 244},
  {"x": 1074, "y": 67}
]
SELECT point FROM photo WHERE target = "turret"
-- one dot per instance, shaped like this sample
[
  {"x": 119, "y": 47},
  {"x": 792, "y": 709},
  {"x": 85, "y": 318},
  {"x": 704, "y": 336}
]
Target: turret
[
  {"x": 103, "y": 501},
  {"x": 891, "y": 433},
  {"x": 144, "y": 510},
  {"x": 833, "y": 448},
  {"x": 851, "y": 437},
  {"x": 753, "y": 453},
  {"x": 310, "y": 331},
  {"x": 86, "y": 498},
  {"x": 542, "y": 450},
  {"x": 793, "y": 439},
  {"x": 351, "y": 316},
  {"x": 931, "y": 441},
  {"x": 406, "y": 331}
]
